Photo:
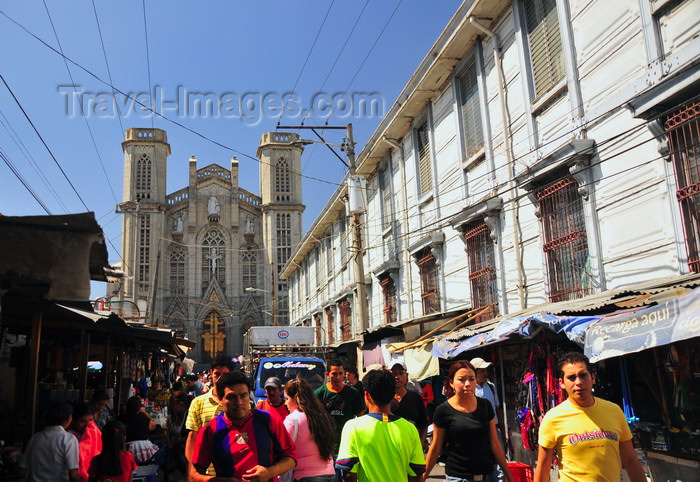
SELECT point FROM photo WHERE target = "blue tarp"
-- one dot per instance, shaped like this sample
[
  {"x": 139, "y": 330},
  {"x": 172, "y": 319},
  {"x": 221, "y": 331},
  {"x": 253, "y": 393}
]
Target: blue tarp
[
  {"x": 675, "y": 320},
  {"x": 572, "y": 326}
]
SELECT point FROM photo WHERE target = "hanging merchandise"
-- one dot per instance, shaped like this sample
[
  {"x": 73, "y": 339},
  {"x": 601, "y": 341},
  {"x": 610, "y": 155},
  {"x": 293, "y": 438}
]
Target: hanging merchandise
[
  {"x": 538, "y": 392},
  {"x": 627, "y": 405}
]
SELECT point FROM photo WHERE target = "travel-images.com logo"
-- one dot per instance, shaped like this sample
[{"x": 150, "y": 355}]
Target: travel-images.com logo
[{"x": 250, "y": 107}]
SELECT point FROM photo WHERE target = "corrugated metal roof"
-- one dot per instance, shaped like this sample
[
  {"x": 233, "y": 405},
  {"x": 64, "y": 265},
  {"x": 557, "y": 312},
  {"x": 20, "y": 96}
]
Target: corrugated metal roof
[
  {"x": 474, "y": 329},
  {"x": 634, "y": 295}
]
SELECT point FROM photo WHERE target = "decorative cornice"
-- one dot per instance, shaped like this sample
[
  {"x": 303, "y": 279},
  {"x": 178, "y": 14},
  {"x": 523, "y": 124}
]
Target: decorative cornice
[{"x": 436, "y": 238}]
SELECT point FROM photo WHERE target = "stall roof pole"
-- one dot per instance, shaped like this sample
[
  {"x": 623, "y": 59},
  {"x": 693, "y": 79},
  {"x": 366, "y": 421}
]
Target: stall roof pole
[
  {"x": 662, "y": 387},
  {"x": 504, "y": 415},
  {"x": 34, "y": 371},
  {"x": 107, "y": 365},
  {"x": 84, "y": 356}
]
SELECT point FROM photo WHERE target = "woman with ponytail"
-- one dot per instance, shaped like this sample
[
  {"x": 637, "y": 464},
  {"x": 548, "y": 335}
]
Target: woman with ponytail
[
  {"x": 114, "y": 463},
  {"x": 312, "y": 430}
]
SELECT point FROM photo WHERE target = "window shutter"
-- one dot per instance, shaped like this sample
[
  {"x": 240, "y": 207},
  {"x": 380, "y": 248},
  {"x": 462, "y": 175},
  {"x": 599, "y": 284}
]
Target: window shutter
[
  {"x": 471, "y": 110},
  {"x": 425, "y": 171},
  {"x": 545, "y": 44}
]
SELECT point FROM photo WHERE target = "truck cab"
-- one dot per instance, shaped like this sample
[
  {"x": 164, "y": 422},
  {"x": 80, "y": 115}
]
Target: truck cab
[{"x": 286, "y": 368}]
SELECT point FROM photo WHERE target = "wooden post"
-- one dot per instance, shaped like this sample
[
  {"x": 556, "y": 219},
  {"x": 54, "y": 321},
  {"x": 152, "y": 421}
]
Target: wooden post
[
  {"x": 34, "y": 370},
  {"x": 83, "y": 360},
  {"x": 662, "y": 386}
]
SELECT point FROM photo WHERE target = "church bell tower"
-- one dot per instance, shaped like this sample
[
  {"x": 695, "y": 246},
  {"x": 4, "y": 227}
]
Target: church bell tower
[
  {"x": 145, "y": 160},
  {"x": 282, "y": 208}
]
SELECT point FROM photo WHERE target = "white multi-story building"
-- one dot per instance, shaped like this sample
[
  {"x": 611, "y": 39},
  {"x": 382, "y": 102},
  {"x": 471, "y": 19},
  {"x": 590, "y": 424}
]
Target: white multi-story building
[{"x": 544, "y": 150}]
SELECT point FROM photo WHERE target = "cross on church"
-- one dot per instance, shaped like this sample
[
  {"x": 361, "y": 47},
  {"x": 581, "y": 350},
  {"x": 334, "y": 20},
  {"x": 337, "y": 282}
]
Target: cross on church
[{"x": 213, "y": 339}]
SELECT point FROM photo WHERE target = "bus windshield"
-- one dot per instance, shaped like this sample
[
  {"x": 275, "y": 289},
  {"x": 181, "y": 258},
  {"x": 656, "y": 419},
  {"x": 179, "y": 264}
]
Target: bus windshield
[{"x": 312, "y": 371}]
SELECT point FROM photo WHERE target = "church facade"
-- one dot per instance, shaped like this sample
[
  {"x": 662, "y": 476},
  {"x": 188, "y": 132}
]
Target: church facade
[{"x": 204, "y": 260}]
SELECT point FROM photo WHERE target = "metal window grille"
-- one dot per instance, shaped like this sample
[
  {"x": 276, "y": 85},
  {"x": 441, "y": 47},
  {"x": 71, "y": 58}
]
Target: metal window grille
[
  {"x": 329, "y": 324},
  {"x": 565, "y": 243},
  {"x": 317, "y": 323},
  {"x": 424, "y": 165},
  {"x": 389, "y": 294},
  {"x": 545, "y": 44},
  {"x": 345, "y": 319},
  {"x": 430, "y": 296},
  {"x": 683, "y": 129},
  {"x": 471, "y": 110},
  {"x": 482, "y": 271}
]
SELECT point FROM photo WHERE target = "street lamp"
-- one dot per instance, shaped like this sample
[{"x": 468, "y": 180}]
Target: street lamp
[{"x": 250, "y": 289}]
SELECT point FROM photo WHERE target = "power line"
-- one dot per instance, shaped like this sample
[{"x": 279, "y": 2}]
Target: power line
[
  {"x": 109, "y": 72},
  {"x": 32, "y": 162},
  {"x": 347, "y": 39},
  {"x": 156, "y": 113},
  {"x": 369, "y": 52},
  {"x": 43, "y": 142},
  {"x": 148, "y": 55},
  {"x": 301, "y": 71},
  {"x": 24, "y": 182},
  {"x": 80, "y": 100}
]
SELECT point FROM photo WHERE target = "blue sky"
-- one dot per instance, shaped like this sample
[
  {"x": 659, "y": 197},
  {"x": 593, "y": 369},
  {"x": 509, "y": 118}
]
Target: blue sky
[{"x": 247, "y": 54}]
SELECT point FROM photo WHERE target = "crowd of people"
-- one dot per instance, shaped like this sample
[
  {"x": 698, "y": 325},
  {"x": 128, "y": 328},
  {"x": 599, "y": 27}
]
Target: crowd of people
[{"x": 372, "y": 430}]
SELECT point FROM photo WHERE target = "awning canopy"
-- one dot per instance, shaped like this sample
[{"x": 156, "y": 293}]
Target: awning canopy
[
  {"x": 621, "y": 324},
  {"x": 665, "y": 323}
]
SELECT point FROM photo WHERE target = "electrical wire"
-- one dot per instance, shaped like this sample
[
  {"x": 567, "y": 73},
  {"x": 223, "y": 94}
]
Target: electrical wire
[
  {"x": 44, "y": 142},
  {"x": 80, "y": 100},
  {"x": 24, "y": 182},
  {"x": 156, "y": 113},
  {"x": 30, "y": 159},
  {"x": 308, "y": 55},
  {"x": 371, "y": 49},
  {"x": 109, "y": 72}
]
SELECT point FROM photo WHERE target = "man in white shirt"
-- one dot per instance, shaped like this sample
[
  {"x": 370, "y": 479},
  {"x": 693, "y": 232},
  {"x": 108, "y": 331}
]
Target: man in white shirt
[{"x": 52, "y": 454}]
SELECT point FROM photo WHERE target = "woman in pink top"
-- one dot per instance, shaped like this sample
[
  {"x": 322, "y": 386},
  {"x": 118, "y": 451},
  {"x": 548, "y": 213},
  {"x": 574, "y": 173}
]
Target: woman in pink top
[{"x": 312, "y": 430}]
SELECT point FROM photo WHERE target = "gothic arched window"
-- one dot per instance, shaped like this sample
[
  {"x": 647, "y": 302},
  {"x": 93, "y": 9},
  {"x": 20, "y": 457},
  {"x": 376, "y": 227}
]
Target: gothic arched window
[
  {"x": 284, "y": 239},
  {"x": 213, "y": 258},
  {"x": 249, "y": 268},
  {"x": 283, "y": 183},
  {"x": 177, "y": 269},
  {"x": 177, "y": 323},
  {"x": 143, "y": 177}
]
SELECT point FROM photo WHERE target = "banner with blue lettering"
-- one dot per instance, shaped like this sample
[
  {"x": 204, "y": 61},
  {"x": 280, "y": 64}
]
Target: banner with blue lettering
[{"x": 675, "y": 320}]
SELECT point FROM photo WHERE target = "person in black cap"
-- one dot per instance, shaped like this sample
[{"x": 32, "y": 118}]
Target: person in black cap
[
  {"x": 274, "y": 403},
  {"x": 407, "y": 403}
]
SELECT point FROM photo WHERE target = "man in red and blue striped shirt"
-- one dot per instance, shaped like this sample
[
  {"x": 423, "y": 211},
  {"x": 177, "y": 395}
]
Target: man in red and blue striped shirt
[{"x": 241, "y": 442}]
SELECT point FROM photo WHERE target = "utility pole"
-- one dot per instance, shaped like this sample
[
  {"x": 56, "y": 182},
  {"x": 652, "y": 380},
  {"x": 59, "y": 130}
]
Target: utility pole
[
  {"x": 273, "y": 311},
  {"x": 358, "y": 260},
  {"x": 348, "y": 147}
]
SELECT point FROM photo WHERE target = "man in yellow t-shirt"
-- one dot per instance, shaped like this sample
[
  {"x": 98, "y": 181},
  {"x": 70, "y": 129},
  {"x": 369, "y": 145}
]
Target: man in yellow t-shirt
[{"x": 590, "y": 434}]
